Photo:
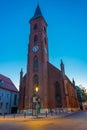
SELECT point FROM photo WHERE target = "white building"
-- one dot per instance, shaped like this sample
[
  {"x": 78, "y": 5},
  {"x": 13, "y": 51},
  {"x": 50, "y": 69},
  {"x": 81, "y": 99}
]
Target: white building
[{"x": 8, "y": 96}]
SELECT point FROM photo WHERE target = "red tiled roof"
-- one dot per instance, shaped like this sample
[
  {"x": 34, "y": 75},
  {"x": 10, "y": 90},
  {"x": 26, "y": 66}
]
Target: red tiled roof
[{"x": 7, "y": 83}]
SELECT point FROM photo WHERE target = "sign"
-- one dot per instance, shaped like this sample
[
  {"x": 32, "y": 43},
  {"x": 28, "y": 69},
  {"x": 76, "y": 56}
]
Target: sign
[{"x": 34, "y": 99}]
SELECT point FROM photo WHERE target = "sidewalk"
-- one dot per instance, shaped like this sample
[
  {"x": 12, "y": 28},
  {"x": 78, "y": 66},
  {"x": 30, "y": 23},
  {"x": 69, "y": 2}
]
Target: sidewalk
[{"x": 40, "y": 116}]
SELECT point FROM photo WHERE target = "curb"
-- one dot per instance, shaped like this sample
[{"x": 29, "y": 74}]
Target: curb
[{"x": 22, "y": 118}]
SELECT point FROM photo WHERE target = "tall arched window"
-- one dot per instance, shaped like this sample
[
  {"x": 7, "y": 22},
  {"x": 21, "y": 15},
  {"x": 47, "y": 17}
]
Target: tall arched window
[
  {"x": 36, "y": 82},
  {"x": 35, "y": 38},
  {"x": 35, "y": 63},
  {"x": 35, "y": 26},
  {"x": 58, "y": 94},
  {"x": 44, "y": 28}
]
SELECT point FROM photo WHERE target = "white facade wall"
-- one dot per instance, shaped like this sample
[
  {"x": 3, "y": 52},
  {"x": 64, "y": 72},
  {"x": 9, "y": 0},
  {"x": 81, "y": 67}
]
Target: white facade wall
[
  {"x": 14, "y": 104},
  {"x": 7, "y": 101}
]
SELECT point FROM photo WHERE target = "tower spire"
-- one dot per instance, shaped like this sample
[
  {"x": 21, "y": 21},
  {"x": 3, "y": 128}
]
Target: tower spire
[
  {"x": 37, "y": 13},
  {"x": 62, "y": 68},
  {"x": 73, "y": 81},
  {"x": 21, "y": 76}
]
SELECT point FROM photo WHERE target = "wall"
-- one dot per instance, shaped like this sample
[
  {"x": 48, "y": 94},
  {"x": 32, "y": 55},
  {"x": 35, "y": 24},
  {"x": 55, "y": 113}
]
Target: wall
[{"x": 7, "y": 97}]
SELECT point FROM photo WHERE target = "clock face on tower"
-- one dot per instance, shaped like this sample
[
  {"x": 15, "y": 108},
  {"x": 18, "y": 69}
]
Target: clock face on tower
[{"x": 35, "y": 48}]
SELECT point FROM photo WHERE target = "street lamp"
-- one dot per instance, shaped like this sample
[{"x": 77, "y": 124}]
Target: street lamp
[{"x": 36, "y": 89}]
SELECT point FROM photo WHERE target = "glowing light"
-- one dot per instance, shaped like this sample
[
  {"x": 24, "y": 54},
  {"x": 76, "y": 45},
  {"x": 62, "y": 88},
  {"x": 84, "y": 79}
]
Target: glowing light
[{"x": 36, "y": 89}]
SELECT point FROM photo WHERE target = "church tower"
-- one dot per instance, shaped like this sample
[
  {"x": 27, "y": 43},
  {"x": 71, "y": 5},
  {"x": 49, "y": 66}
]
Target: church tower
[
  {"x": 44, "y": 87},
  {"x": 36, "y": 78}
]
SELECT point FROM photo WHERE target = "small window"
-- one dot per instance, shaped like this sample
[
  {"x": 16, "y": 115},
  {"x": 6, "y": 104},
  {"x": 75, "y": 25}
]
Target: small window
[
  {"x": 15, "y": 99},
  {"x": 35, "y": 26},
  {"x": 1, "y": 104},
  {"x": 45, "y": 29},
  {"x": 6, "y": 106},
  {"x": 7, "y": 95},
  {"x": 2, "y": 94},
  {"x": 35, "y": 38},
  {"x": 1, "y": 83}
]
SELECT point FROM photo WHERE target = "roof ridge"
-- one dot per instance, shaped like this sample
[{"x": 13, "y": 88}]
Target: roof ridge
[
  {"x": 7, "y": 78},
  {"x": 8, "y": 83},
  {"x": 4, "y": 76},
  {"x": 54, "y": 66}
]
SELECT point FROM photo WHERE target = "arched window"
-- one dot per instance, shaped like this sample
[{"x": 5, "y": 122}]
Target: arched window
[
  {"x": 35, "y": 63},
  {"x": 58, "y": 94},
  {"x": 36, "y": 82},
  {"x": 35, "y": 38},
  {"x": 44, "y": 28},
  {"x": 35, "y": 26}
]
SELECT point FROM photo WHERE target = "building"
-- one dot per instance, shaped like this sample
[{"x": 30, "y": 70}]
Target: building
[
  {"x": 8, "y": 96},
  {"x": 44, "y": 86}
]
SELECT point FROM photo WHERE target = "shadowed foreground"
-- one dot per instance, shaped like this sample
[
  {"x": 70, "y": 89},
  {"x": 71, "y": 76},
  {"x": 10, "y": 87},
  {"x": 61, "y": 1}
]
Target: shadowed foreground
[{"x": 76, "y": 121}]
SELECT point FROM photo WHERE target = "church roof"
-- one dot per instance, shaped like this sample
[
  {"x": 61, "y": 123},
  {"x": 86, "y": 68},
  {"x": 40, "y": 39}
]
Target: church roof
[
  {"x": 6, "y": 83},
  {"x": 55, "y": 68}
]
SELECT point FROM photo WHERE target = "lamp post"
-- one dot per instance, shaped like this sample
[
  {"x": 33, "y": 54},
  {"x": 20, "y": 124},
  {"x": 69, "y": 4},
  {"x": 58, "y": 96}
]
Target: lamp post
[{"x": 36, "y": 90}]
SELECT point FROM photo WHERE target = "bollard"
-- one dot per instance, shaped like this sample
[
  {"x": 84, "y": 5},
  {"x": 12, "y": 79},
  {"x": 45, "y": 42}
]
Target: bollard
[
  {"x": 4, "y": 115},
  {"x": 51, "y": 112},
  {"x": 56, "y": 112},
  {"x": 24, "y": 114},
  {"x": 59, "y": 111},
  {"x": 46, "y": 113},
  {"x": 14, "y": 115}
]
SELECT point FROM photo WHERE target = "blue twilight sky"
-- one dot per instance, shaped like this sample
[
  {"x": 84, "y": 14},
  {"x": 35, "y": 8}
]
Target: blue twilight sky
[{"x": 67, "y": 36}]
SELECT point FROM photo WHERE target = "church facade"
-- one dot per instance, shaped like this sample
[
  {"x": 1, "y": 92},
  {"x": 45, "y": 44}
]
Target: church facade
[{"x": 44, "y": 86}]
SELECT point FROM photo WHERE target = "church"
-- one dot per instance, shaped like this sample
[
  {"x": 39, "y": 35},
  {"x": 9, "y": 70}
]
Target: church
[{"x": 44, "y": 87}]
